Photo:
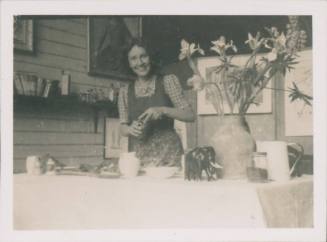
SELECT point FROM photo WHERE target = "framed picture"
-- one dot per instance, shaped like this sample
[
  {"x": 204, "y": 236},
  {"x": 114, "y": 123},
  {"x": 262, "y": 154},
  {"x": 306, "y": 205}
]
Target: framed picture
[
  {"x": 108, "y": 37},
  {"x": 205, "y": 65},
  {"x": 298, "y": 114},
  {"x": 24, "y": 31}
]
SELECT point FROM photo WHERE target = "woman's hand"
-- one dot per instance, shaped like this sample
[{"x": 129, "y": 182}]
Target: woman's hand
[
  {"x": 135, "y": 129},
  {"x": 153, "y": 113}
]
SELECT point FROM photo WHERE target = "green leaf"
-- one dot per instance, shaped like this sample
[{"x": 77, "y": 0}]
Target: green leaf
[{"x": 296, "y": 94}]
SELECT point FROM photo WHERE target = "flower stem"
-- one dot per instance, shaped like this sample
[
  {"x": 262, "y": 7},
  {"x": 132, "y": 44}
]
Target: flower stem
[
  {"x": 193, "y": 66},
  {"x": 253, "y": 55},
  {"x": 246, "y": 106},
  {"x": 230, "y": 105}
]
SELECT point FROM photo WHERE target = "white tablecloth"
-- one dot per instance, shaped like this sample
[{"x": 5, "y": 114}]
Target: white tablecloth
[{"x": 81, "y": 202}]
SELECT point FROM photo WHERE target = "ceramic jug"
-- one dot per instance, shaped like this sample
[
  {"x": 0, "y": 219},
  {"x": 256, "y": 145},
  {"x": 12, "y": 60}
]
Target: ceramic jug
[{"x": 278, "y": 158}]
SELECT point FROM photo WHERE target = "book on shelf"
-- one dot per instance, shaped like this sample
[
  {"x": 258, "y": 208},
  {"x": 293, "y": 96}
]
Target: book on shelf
[
  {"x": 31, "y": 81},
  {"x": 54, "y": 89},
  {"x": 25, "y": 84},
  {"x": 65, "y": 84},
  {"x": 32, "y": 85},
  {"x": 18, "y": 87},
  {"x": 40, "y": 86},
  {"x": 47, "y": 88}
]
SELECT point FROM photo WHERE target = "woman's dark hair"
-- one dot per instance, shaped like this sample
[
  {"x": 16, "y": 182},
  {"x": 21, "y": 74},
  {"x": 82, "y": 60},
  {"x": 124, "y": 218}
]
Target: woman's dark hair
[{"x": 151, "y": 52}]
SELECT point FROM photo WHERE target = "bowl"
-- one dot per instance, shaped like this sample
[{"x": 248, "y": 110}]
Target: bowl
[{"x": 161, "y": 172}]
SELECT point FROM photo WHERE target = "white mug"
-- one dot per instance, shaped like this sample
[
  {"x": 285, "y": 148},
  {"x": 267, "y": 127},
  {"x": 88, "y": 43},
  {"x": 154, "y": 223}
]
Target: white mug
[
  {"x": 33, "y": 165},
  {"x": 129, "y": 165}
]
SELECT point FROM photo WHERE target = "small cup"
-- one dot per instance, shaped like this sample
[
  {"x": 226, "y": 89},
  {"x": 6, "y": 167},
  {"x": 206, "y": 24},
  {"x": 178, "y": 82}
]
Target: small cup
[{"x": 129, "y": 165}]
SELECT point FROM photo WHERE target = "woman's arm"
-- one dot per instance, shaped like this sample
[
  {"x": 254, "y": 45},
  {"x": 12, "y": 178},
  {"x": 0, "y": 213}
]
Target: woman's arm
[
  {"x": 185, "y": 114},
  {"x": 182, "y": 109},
  {"x": 154, "y": 113}
]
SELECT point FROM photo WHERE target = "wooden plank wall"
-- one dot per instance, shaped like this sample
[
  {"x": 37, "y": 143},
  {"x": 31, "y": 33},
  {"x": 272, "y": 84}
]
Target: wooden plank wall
[{"x": 69, "y": 136}]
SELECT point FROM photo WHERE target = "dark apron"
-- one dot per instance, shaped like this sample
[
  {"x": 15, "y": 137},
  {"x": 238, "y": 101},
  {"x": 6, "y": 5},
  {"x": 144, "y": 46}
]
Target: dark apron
[{"x": 161, "y": 145}]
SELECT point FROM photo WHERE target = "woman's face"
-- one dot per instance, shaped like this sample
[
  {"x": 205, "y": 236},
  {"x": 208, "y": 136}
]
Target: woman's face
[{"x": 139, "y": 61}]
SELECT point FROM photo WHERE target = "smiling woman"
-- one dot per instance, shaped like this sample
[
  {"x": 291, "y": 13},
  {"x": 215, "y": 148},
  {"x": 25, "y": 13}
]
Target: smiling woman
[
  {"x": 148, "y": 107},
  {"x": 139, "y": 61}
]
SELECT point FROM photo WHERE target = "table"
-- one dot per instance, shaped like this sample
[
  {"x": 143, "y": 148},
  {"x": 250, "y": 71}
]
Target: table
[
  {"x": 82, "y": 202},
  {"x": 288, "y": 204}
]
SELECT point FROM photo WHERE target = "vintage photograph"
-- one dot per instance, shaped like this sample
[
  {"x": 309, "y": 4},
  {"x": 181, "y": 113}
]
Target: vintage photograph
[
  {"x": 95, "y": 145},
  {"x": 150, "y": 121}
]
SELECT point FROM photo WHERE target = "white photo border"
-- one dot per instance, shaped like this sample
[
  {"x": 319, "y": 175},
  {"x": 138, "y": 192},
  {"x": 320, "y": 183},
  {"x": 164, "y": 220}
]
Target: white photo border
[{"x": 141, "y": 7}]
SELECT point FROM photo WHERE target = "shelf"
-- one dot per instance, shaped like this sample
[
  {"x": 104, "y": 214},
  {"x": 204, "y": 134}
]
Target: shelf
[{"x": 62, "y": 104}]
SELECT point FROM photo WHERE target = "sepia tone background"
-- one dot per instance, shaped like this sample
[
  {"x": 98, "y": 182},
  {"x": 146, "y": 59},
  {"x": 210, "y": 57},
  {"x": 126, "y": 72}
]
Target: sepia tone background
[{"x": 76, "y": 134}]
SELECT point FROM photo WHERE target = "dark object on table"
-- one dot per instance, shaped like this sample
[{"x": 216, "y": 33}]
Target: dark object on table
[
  {"x": 199, "y": 159},
  {"x": 45, "y": 159},
  {"x": 107, "y": 166},
  {"x": 295, "y": 155},
  {"x": 86, "y": 168}
]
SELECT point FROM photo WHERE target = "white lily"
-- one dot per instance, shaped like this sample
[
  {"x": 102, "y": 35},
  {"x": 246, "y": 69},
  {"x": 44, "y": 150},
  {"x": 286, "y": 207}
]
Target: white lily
[
  {"x": 220, "y": 45},
  {"x": 184, "y": 50},
  {"x": 231, "y": 45},
  {"x": 266, "y": 45},
  {"x": 280, "y": 43},
  {"x": 250, "y": 41},
  {"x": 254, "y": 43},
  {"x": 192, "y": 48},
  {"x": 201, "y": 51},
  {"x": 281, "y": 39},
  {"x": 274, "y": 32},
  {"x": 187, "y": 50}
]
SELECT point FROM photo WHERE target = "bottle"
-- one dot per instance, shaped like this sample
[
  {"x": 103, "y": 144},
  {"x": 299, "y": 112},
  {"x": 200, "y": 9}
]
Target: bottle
[{"x": 144, "y": 127}]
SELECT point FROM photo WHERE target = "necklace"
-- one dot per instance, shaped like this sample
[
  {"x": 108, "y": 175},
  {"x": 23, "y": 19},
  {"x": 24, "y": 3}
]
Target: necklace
[{"x": 145, "y": 88}]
